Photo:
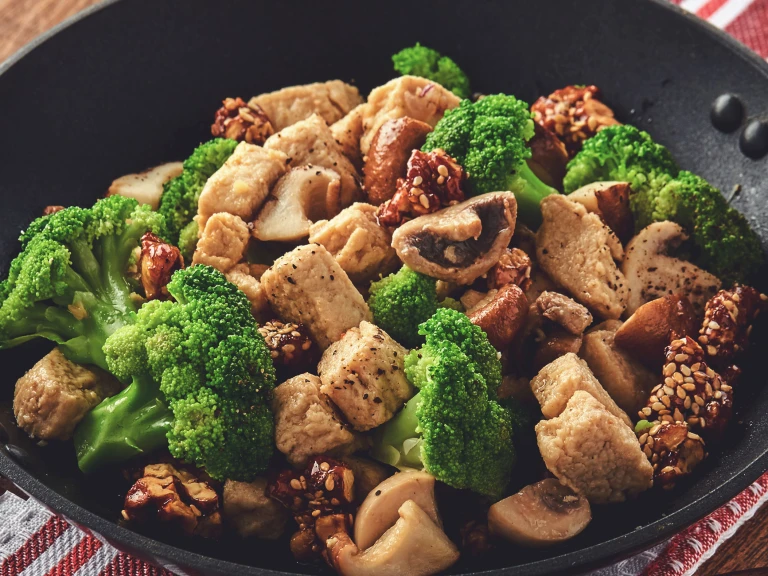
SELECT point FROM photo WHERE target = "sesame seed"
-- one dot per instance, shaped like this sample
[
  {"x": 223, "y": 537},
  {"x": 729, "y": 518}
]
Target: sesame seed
[
  {"x": 696, "y": 366},
  {"x": 648, "y": 451},
  {"x": 651, "y": 442},
  {"x": 725, "y": 388},
  {"x": 678, "y": 377},
  {"x": 699, "y": 400},
  {"x": 655, "y": 429},
  {"x": 685, "y": 370},
  {"x": 643, "y": 438},
  {"x": 657, "y": 406},
  {"x": 687, "y": 403},
  {"x": 424, "y": 201},
  {"x": 442, "y": 170},
  {"x": 330, "y": 484},
  {"x": 325, "y": 466},
  {"x": 669, "y": 391},
  {"x": 681, "y": 393},
  {"x": 295, "y": 484},
  {"x": 669, "y": 369},
  {"x": 681, "y": 357},
  {"x": 718, "y": 395},
  {"x": 666, "y": 401},
  {"x": 315, "y": 513},
  {"x": 693, "y": 436},
  {"x": 418, "y": 180},
  {"x": 714, "y": 325},
  {"x": 667, "y": 418},
  {"x": 647, "y": 411},
  {"x": 695, "y": 408},
  {"x": 711, "y": 350},
  {"x": 670, "y": 382},
  {"x": 678, "y": 415}
]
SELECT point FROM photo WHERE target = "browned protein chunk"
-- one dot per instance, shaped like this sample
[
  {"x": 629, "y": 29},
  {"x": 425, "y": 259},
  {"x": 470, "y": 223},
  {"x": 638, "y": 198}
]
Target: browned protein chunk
[
  {"x": 307, "y": 286},
  {"x": 360, "y": 246},
  {"x": 310, "y": 141},
  {"x": 558, "y": 381},
  {"x": 564, "y": 311},
  {"x": 673, "y": 450},
  {"x": 158, "y": 261},
  {"x": 690, "y": 392},
  {"x": 593, "y": 452},
  {"x": 503, "y": 317},
  {"x": 574, "y": 113},
  {"x": 55, "y": 394},
  {"x": 728, "y": 318},
  {"x": 514, "y": 267},
  {"x": 288, "y": 343},
  {"x": 248, "y": 509},
  {"x": 363, "y": 375},
  {"x": 347, "y": 133},
  {"x": 223, "y": 242},
  {"x": 578, "y": 252},
  {"x": 330, "y": 100},
  {"x": 306, "y": 421},
  {"x": 239, "y": 121}
]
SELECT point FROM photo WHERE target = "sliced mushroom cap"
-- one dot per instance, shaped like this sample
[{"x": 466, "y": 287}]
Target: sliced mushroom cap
[
  {"x": 414, "y": 546},
  {"x": 379, "y": 511},
  {"x": 302, "y": 196},
  {"x": 388, "y": 155},
  {"x": 459, "y": 243},
  {"x": 610, "y": 201},
  {"x": 541, "y": 514},
  {"x": 650, "y": 273},
  {"x": 147, "y": 186}
]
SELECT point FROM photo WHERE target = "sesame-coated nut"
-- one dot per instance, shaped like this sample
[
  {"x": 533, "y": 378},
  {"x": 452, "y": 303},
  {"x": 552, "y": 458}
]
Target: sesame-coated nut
[
  {"x": 238, "y": 120},
  {"x": 289, "y": 344},
  {"x": 673, "y": 450}
]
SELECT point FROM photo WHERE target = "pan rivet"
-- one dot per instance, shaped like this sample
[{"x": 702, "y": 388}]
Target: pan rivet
[
  {"x": 754, "y": 139},
  {"x": 727, "y": 113}
]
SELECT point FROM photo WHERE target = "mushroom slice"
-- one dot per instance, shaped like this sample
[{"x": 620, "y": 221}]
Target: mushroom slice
[
  {"x": 302, "y": 196},
  {"x": 414, "y": 546},
  {"x": 610, "y": 201},
  {"x": 147, "y": 186},
  {"x": 541, "y": 514},
  {"x": 379, "y": 511},
  {"x": 650, "y": 273},
  {"x": 459, "y": 243},
  {"x": 548, "y": 156}
]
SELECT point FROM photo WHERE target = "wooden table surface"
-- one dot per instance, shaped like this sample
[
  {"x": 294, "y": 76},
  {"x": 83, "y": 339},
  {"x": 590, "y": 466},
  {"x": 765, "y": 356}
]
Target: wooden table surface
[{"x": 23, "y": 20}]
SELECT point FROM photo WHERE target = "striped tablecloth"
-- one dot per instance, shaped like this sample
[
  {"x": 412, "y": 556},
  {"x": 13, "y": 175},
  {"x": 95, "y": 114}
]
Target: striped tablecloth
[{"x": 34, "y": 542}]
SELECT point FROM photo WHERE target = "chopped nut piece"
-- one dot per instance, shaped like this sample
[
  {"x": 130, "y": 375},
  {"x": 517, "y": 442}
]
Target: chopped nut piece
[
  {"x": 673, "y": 450},
  {"x": 288, "y": 343},
  {"x": 158, "y": 261},
  {"x": 48, "y": 210},
  {"x": 513, "y": 267},
  {"x": 237, "y": 120}
]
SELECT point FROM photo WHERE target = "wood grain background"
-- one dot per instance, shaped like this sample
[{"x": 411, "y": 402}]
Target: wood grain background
[{"x": 23, "y": 20}]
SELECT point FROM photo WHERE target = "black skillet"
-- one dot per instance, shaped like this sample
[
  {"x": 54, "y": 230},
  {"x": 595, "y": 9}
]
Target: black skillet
[{"x": 135, "y": 83}]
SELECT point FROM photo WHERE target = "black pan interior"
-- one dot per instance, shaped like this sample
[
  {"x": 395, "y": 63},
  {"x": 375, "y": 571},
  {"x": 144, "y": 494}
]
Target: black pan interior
[{"x": 136, "y": 83}]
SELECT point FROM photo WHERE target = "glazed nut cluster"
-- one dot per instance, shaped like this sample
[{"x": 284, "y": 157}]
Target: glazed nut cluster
[
  {"x": 320, "y": 498},
  {"x": 573, "y": 113},
  {"x": 513, "y": 267},
  {"x": 157, "y": 263},
  {"x": 673, "y": 451},
  {"x": 728, "y": 318},
  {"x": 288, "y": 343},
  {"x": 238, "y": 120},
  {"x": 433, "y": 181}
]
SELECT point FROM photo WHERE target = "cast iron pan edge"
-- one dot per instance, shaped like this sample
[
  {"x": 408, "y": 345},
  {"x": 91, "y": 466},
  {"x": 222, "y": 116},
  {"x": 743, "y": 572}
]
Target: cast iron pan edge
[{"x": 581, "y": 560}]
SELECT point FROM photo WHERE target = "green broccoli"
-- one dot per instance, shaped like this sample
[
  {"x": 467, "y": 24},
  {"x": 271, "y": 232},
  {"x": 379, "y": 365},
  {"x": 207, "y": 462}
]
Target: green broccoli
[
  {"x": 69, "y": 284},
  {"x": 430, "y": 64},
  {"x": 200, "y": 379},
  {"x": 626, "y": 154},
  {"x": 489, "y": 139},
  {"x": 453, "y": 427},
  {"x": 188, "y": 241},
  {"x": 723, "y": 242},
  {"x": 178, "y": 203}
]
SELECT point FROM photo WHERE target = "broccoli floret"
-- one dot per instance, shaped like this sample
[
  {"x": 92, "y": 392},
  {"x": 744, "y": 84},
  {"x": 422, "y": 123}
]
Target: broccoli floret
[
  {"x": 452, "y": 303},
  {"x": 200, "y": 379},
  {"x": 69, "y": 284},
  {"x": 489, "y": 139},
  {"x": 723, "y": 242},
  {"x": 402, "y": 301},
  {"x": 430, "y": 64},
  {"x": 453, "y": 427},
  {"x": 626, "y": 154},
  {"x": 178, "y": 203},
  {"x": 188, "y": 241}
]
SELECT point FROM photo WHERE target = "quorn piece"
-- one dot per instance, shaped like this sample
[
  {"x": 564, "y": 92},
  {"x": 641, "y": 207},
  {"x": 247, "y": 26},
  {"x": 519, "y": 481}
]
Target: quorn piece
[
  {"x": 388, "y": 156},
  {"x": 146, "y": 187},
  {"x": 304, "y": 195},
  {"x": 158, "y": 261},
  {"x": 241, "y": 276},
  {"x": 503, "y": 317},
  {"x": 593, "y": 452},
  {"x": 548, "y": 157},
  {"x": 223, "y": 242},
  {"x": 379, "y": 511},
  {"x": 237, "y": 120},
  {"x": 363, "y": 375},
  {"x": 651, "y": 273},
  {"x": 566, "y": 312},
  {"x": 347, "y": 132},
  {"x": 673, "y": 450},
  {"x": 514, "y": 267},
  {"x": 460, "y": 243},
  {"x": 541, "y": 514},
  {"x": 250, "y": 512},
  {"x": 610, "y": 201}
]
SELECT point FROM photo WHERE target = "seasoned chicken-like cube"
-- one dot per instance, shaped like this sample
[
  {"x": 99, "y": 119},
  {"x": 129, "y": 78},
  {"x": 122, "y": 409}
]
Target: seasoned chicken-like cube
[
  {"x": 52, "y": 397},
  {"x": 310, "y": 142},
  {"x": 241, "y": 277},
  {"x": 247, "y": 508},
  {"x": 363, "y": 374},
  {"x": 223, "y": 242},
  {"x": 330, "y": 100},
  {"x": 306, "y": 422},
  {"x": 578, "y": 251},
  {"x": 592, "y": 452},
  {"x": 419, "y": 98},
  {"x": 564, "y": 311},
  {"x": 347, "y": 133},
  {"x": 307, "y": 286},
  {"x": 242, "y": 183},
  {"x": 361, "y": 247},
  {"x": 554, "y": 385}
]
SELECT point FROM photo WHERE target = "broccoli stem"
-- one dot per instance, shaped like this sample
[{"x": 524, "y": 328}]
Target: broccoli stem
[
  {"x": 398, "y": 442},
  {"x": 529, "y": 192},
  {"x": 133, "y": 422}
]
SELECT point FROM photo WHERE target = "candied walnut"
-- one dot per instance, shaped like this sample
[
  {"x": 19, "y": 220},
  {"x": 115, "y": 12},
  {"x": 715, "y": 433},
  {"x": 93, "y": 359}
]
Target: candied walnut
[
  {"x": 476, "y": 538},
  {"x": 728, "y": 317},
  {"x": 673, "y": 450},
  {"x": 288, "y": 343},
  {"x": 574, "y": 114},
  {"x": 513, "y": 267},
  {"x": 433, "y": 181},
  {"x": 691, "y": 392},
  {"x": 174, "y": 496},
  {"x": 238, "y": 120},
  {"x": 321, "y": 499},
  {"x": 48, "y": 210},
  {"x": 158, "y": 261}
]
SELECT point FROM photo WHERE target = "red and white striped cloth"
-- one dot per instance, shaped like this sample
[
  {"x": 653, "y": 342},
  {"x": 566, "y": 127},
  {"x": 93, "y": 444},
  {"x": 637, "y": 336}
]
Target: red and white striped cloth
[{"x": 34, "y": 542}]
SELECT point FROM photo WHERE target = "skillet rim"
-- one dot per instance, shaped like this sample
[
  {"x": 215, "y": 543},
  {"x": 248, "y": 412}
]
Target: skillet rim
[{"x": 577, "y": 561}]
